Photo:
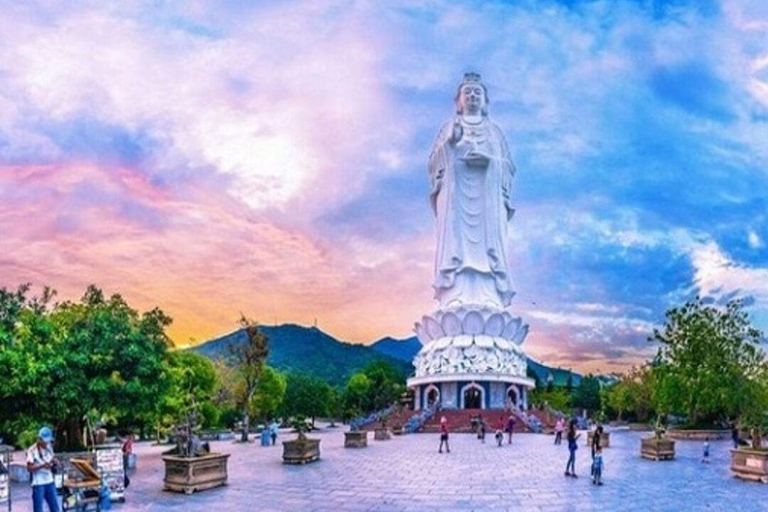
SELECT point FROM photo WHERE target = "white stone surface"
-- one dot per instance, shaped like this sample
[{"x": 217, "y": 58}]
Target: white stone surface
[{"x": 471, "y": 173}]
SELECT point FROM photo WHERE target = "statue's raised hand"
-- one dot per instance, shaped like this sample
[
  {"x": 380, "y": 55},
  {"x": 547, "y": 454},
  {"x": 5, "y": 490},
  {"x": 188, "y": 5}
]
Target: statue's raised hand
[{"x": 457, "y": 132}]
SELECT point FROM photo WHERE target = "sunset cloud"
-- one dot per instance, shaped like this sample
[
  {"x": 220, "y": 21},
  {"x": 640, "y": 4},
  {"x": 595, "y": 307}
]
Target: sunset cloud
[{"x": 270, "y": 159}]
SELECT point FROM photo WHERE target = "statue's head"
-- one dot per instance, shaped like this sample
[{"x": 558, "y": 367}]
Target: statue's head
[{"x": 472, "y": 96}]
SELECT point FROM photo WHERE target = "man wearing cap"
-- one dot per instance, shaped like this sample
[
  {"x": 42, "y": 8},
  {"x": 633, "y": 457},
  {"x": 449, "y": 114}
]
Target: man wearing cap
[{"x": 40, "y": 461}]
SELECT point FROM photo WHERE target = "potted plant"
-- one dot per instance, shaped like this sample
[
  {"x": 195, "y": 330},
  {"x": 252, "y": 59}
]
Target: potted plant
[
  {"x": 750, "y": 462},
  {"x": 355, "y": 438},
  {"x": 191, "y": 466},
  {"x": 381, "y": 433},
  {"x": 658, "y": 447},
  {"x": 302, "y": 449}
]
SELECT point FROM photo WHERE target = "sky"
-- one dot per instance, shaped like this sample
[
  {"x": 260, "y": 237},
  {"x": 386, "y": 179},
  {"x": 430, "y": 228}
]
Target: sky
[{"x": 269, "y": 158}]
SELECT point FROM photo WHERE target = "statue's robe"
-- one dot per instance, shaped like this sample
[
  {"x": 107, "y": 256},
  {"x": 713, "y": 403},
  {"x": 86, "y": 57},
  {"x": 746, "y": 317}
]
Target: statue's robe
[{"x": 473, "y": 210}]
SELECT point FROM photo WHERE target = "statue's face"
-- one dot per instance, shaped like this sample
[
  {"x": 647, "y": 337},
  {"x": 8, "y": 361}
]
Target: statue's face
[{"x": 472, "y": 99}]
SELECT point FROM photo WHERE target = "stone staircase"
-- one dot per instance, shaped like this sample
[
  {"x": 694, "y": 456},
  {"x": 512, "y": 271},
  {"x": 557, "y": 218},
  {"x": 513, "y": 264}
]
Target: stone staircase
[{"x": 460, "y": 420}]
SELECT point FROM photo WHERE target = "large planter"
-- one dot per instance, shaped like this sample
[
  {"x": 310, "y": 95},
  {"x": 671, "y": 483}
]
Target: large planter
[
  {"x": 397, "y": 430},
  {"x": 750, "y": 464},
  {"x": 698, "y": 435},
  {"x": 605, "y": 439},
  {"x": 356, "y": 439},
  {"x": 190, "y": 474},
  {"x": 381, "y": 434},
  {"x": 301, "y": 450},
  {"x": 653, "y": 448}
]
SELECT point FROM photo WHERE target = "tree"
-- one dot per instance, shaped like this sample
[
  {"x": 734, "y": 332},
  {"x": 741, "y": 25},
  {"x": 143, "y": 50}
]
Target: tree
[
  {"x": 707, "y": 363},
  {"x": 356, "y": 395},
  {"x": 306, "y": 395},
  {"x": 270, "y": 393},
  {"x": 387, "y": 384},
  {"x": 249, "y": 359},
  {"x": 66, "y": 362},
  {"x": 587, "y": 394}
]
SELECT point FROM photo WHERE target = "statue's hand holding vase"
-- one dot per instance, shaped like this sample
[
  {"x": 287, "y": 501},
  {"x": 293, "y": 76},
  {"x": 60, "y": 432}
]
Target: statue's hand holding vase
[{"x": 476, "y": 159}]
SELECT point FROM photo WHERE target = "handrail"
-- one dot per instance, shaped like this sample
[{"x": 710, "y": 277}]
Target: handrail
[
  {"x": 418, "y": 420},
  {"x": 362, "y": 421}
]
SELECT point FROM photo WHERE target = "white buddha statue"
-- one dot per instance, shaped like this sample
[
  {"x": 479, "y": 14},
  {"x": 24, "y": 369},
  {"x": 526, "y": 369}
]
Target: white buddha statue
[{"x": 471, "y": 173}]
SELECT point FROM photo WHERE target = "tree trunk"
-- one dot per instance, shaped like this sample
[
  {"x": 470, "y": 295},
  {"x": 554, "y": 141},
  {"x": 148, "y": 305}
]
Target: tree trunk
[
  {"x": 70, "y": 435},
  {"x": 246, "y": 425}
]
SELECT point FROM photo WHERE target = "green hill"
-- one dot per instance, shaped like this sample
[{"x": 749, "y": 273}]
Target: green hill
[{"x": 306, "y": 349}]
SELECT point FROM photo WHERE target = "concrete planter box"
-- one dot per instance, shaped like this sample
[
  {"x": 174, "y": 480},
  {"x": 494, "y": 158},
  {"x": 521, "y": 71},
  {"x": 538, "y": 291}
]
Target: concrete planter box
[
  {"x": 652, "y": 448},
  {"x": 381, "y": 434},
  {"x": 356, "y": 439},
  {"x": 301, "y": 450},
  {"x": 750, "y": 464},
  {"x": 397, "y": 430},
  {"x": 190, "y": 474},
  {"x": 698, "y": 435},
  {"x": 605, "y": 439}
]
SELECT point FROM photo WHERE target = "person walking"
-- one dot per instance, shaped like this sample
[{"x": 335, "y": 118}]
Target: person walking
[
  {"x": 510, "y": 428},
  {"x": 41, "y": 462},
  {"x": 483, "y": 428},
  {"x": 572, "y": 436},
  {"x": 735, "y": 437},
  {"x": 597, "y": 467},
  {"x": 444, "y": 435},
  {"x": 705, "y": 457},
  {"x": 559, "y": 427},
  {"x": 273, "y": 432}
]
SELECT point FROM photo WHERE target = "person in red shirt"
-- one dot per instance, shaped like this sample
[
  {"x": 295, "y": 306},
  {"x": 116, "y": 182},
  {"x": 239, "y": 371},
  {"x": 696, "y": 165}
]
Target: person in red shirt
[{"x": 444, "y": 435}]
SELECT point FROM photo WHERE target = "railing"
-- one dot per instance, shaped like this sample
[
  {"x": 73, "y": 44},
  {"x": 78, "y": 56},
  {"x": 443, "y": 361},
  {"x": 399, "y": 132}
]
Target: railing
[
  {"x": 532, "y": 422},
  {"x": 374, "y": 417},
  {"x": 418, "y": 420}
]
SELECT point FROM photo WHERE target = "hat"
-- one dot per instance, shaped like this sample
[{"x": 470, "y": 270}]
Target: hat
[{"x": 45, "y": 434}]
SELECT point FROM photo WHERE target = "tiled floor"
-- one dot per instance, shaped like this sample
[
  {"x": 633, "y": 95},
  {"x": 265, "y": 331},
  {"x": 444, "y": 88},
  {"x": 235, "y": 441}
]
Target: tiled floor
[{"x": 407, "y": 474}]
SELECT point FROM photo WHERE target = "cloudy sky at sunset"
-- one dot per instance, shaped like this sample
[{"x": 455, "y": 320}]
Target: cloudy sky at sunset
[{"x": 269, "y": 158}]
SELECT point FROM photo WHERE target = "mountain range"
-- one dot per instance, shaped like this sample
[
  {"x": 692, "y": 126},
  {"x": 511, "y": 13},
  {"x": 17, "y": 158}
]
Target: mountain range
[{"x": 308, "y": 349}]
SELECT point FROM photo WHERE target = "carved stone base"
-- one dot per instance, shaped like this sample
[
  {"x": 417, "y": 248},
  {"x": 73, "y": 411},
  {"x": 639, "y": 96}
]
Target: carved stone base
[
  {"x": 750, "y": 464},
  {"x": 382, "y": 434},
  {"x": 301, "y": 450},
  {"x": 188, "y": 475},
  {"x": 356, "y": 439},
  {"x": 698, "y": 435},
  {"x": 657, "y": 449}
]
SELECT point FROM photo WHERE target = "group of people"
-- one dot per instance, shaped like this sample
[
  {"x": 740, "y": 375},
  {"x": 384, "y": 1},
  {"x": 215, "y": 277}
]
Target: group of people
[
  {"x": 596, "y": 448},
  {"x": 269, "y": 434},
  {"x": 479, "y": 427}
]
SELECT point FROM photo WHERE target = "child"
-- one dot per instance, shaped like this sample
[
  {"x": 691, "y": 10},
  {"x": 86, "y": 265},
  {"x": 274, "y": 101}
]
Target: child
[
  {"x": 597, "y": 467},
  {"x": 444, "y": 435},
  {"x": 500, "y": 432},
  {"x": 705, "y": 459}
]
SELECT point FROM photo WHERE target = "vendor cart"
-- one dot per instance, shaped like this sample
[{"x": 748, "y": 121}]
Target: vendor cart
[{"x": 83, "y": 492}]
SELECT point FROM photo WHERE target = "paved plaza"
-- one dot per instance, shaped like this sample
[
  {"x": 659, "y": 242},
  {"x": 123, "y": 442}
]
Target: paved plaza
[{"x": 407, "y": 474}]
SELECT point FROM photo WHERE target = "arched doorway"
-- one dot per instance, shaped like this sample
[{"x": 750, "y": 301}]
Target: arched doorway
[
  {"x": 432, "y": 395},
  {"x": 513, "y": 396},
  {"x": 472, "y": 397}
]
